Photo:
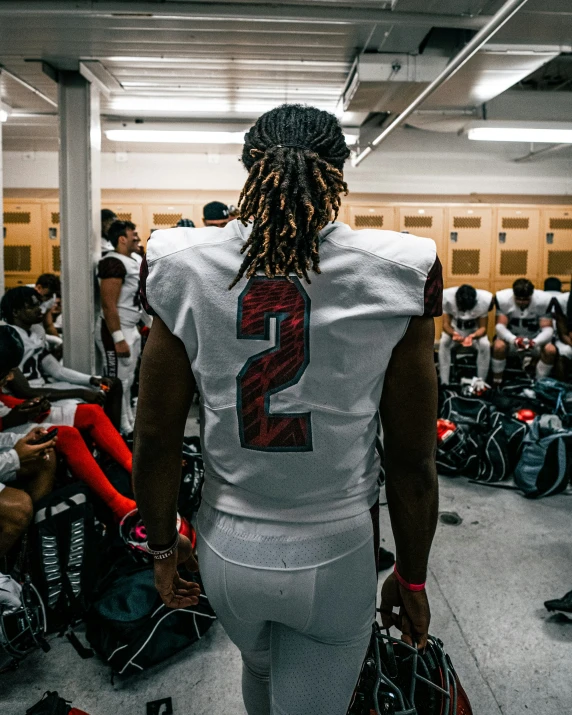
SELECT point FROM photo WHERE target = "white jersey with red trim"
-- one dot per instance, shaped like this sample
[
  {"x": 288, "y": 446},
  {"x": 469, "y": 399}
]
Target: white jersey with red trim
[
  {"x": 523, "y": 323},
  {"x": 467, "y": 321},
  {"x": 290, "y": 374}
]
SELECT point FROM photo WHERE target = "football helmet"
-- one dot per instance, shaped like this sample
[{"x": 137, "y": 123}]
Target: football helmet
[
  {"x": 397, "y": 679},
  {"x": 133, "y": 532},
  {"x": 22, "y": 621}
]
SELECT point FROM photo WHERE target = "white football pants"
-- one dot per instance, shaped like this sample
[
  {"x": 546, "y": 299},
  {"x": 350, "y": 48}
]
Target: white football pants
[
  {"x": 303, "y": 634},
  {"x": 447, "y": 344},
  {"x": 564, "y": 350}
]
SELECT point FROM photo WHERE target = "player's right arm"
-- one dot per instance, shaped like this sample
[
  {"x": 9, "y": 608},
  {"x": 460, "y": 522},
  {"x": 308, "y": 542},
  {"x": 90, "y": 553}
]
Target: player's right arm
[
  {"x": 409, "y": 415},
  {"x": 110, "y": 289},
  {"x": 502, "y": 330}
]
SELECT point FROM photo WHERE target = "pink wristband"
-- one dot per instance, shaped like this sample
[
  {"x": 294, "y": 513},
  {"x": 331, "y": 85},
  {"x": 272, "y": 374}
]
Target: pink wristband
[{"x": 408, "y": 586}]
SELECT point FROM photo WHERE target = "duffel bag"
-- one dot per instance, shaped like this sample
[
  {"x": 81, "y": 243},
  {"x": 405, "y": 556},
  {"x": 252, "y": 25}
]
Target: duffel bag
[{"x": 545, "y": 466}]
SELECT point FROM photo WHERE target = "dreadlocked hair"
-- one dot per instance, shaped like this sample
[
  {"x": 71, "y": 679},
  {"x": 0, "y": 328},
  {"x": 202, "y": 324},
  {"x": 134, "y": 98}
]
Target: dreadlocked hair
[{"x": 295, "y": 157}]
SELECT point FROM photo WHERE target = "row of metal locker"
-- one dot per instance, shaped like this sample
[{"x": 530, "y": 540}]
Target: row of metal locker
[{"x": 488, "y": 246}]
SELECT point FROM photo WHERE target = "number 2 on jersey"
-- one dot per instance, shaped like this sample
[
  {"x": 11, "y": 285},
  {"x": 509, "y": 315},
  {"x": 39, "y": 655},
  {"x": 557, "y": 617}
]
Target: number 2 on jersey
[{"x": 275, "y": 369}]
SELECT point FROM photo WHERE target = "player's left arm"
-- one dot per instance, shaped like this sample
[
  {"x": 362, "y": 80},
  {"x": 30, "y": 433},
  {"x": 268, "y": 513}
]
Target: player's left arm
[{"x": 544, "y": 336}]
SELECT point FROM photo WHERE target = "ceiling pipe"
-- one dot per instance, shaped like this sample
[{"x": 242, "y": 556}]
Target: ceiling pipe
[
  {"x": 27, "y": 85},
  {"x": 471, "y": 48}
]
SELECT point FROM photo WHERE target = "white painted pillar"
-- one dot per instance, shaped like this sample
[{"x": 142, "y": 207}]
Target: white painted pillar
[{"x": 80, "y": 214}]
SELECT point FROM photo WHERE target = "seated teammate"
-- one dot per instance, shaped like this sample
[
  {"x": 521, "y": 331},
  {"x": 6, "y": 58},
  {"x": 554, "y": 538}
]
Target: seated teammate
[
  {"x": 561, "y": 309},
  {"x": 523, "y": 327},
  {"x": 465, "y": 322},
  {"x": 48, "y": 287},
  {"x": 19, "y": 416},
  {"x": 27, "y": 473},
  {"x": 20, "y": 308}
]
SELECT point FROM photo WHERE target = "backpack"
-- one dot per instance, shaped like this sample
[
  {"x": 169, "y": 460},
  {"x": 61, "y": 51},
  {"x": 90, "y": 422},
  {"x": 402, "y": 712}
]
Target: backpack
[
  {"x": 557, "y": 396},
  {"x": 545, "y": 466},
  {"x": 64, "y": 554},
  {"x": 192, "y": 478},
  {"x": 131, "y": 629},
  {"x": 52, "y": 704}
]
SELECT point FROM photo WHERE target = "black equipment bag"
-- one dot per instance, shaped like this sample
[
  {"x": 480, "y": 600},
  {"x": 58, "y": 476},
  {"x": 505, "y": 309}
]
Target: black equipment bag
[
  {"x": 192, "y": 478},
  {"x": 52, "y": 704},
  {"x": 131, "y": 629},
  {"x": 65, "y": 539}
]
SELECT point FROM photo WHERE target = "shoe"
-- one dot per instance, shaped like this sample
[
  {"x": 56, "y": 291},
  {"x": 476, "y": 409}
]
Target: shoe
[
  {"x": 385, "y": 559},
  {"x": 564, "y": 604}
]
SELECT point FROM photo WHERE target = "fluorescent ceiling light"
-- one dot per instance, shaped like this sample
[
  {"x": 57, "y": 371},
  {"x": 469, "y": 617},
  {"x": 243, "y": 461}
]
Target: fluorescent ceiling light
[
  {"x": 521, "y": 134},
  {"x": 157, "y": 105},
  {"x": 167, "y": 136}
]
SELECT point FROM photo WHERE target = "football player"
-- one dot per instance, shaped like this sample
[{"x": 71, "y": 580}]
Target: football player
[
  {"x": 298, "y": 332},
  {"x": 465, "y": 322},
  {"x": 117, "y": 334},
  {"x": 107, "y": 218},
  {"x": 523, "y": 327},
  {"x": 561, "y": 309},
  {"x": 215, "y": 213}
]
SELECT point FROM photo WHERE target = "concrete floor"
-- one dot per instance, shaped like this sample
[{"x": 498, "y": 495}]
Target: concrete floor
[{"x": 488, "y": 580}]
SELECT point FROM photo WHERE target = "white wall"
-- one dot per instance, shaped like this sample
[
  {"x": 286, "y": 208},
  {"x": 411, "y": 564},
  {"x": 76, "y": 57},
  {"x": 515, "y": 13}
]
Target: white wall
[{"x": 416, "y": 162}]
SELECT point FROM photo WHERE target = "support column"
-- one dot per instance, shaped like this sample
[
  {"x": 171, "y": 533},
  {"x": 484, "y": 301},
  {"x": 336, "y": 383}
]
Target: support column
[
  {"x": 80, "y": 214},
  {"x": 1, "y": 214}
]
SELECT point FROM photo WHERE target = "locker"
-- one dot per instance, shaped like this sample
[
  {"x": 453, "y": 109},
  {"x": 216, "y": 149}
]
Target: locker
[
  {"x": 165, "y": 215},
  {"x": 51, "y": 257},
  {"x": 425, "y": 221},
  {"x": 516, "y": 247},
  {"x": 556, "y": 241},
  {"x": 22, "y": 243},
  {"x": 468, "y": 237},
  {"x": 372, "y": 217}
]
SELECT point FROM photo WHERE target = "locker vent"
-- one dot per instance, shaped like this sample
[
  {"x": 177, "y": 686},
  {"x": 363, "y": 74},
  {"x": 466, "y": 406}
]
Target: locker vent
[
  {"x": 368, "y": 221},
  {"x": 515, "y": 223},
  {"x": 56, "y": 259},
  {"x": 561, "y": 223},
  {"x": 466, "y": 221},
  {"x": 466, "y": 262},
  {"x": 513, "y": 263},
  {"x": 18, "y": 258},
  {"x": 418, "y": 221},
  {"x": 166, "y": 219},
  {"x": 127, "y": 216},
  {"x": 55, "y": 217},
  {"x": 559, "y": 263},
  {"x": 16, "y": 217}
]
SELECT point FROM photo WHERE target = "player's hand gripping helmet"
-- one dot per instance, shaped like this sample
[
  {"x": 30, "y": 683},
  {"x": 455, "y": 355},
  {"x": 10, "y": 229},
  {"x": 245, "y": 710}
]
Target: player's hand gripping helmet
[
  {"x": 22, "y": 621},
  {"x": 397, "y": 679}
]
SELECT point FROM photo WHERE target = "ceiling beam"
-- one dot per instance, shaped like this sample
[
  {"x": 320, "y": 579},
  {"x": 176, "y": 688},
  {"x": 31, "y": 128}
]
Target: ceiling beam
[{"x": 322, "y": 13}]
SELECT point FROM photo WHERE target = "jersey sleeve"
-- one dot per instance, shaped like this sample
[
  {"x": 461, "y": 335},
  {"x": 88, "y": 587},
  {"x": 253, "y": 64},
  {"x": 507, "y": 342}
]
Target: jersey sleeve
[
  {"x": 433, "y": 298},
  {"x": 110, "y": 267}
]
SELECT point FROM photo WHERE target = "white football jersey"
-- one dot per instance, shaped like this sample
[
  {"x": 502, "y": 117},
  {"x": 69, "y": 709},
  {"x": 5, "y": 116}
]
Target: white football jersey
[
  {"x": 466, "y": 322},
  {"x": 290, "y": 374},
  {"x": 127, "y": 268},
  {"x": 35, "y": 349},
  {"x": 523, "y": 323}
]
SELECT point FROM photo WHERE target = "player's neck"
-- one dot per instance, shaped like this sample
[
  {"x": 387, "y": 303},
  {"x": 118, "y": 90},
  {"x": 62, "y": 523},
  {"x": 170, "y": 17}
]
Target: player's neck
[{"x": 24, "y": 326}]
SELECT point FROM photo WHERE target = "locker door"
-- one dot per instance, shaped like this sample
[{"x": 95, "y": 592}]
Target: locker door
[
  {"x": 22, "y": 243},
  {"x": 556, "y": 240},
  {"x": 133, "y": 213},
  {"x": 468, "y": 236},
  {"x": 166, "y": 216},
  {"x": 517, "y": 247},
  {"x": 371, "y": 217},
  {"x": 51, "y": 257},
  {"x": 425, "y": 221}
]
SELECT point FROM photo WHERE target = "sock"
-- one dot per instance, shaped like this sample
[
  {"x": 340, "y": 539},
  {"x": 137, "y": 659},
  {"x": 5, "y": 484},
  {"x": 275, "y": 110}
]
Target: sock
[
  {"x": 542, "y": 369},
  {"x": 84, "y": 467},
  {"x": 498, "y": 367},
  {"x": 93, "y": 420}
]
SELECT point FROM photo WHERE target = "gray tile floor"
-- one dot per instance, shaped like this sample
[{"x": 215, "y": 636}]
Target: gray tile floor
[{"x": 489, "y": 577}]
